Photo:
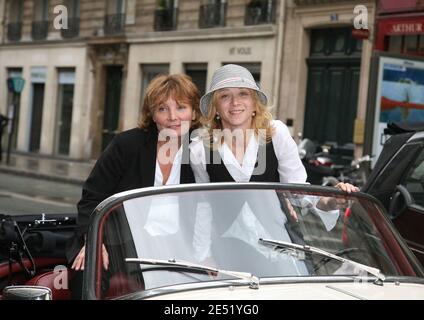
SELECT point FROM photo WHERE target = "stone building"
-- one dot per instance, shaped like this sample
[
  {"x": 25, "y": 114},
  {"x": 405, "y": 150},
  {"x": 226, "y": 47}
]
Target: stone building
[
  {"x": 325, "y": 71},
  {"x": 85, "y": 83}
]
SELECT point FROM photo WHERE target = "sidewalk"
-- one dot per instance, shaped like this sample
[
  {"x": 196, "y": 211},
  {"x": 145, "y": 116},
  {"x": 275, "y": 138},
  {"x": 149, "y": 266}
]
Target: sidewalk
[{"x": 36, "y": 166}]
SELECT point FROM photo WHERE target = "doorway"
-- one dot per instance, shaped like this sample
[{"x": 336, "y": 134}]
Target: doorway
[
  {"x": 332, "y": 86},
  {"x": 36, "y": 116},
  {"x": 64, "y": 122},
  {"x": 112, "y": 103}
]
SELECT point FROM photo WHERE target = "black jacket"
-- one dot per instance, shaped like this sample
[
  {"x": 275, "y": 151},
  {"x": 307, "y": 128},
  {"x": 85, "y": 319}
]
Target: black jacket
[{"x": 128, "y": 162}]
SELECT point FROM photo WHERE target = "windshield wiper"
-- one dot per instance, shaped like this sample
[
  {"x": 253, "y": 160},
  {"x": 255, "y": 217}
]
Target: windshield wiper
[
  {"x": 253, "y": 280},
  {"x": 308, "y": 249}
]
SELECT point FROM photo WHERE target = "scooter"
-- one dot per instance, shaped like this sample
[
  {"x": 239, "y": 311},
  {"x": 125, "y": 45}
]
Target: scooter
[
  {"x": 325, "y": 165},
  {"x": 318, "y": 164}
]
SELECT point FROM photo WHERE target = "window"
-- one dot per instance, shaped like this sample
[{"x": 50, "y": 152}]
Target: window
[
  {"x": 40, "y": 24},
  {"x": 409, "y": 44},
  {"x": 198, "y": 73},
  {"x": 414, "y": 181},
  {"x": 166, "y": 15},
  {"x": 14, "y": 26},
  {"x": 165, "y": 4},
  {"x": 212, "y": 13},
  {"x": 115, "y": 6},
  {"x": 259, "y": 12},
  {"x": 73, "y": 19},
  {"x": 65, "y": 104},
  {"x": 149, "y": 71},
  {"x": 115, "y": 17},
  {"x": 14, "y": 113},
  {"x": 41, "y": 10},
  {"x": 421, "y": 44},
  {"x": 73, "y": 7},
  {"x": 15, "y": 10},
  {"x": 38, "y": 80}
]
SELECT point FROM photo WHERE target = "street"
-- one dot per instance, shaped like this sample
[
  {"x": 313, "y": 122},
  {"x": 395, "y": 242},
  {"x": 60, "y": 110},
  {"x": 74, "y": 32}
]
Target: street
[{"x": 25, "y": 195}]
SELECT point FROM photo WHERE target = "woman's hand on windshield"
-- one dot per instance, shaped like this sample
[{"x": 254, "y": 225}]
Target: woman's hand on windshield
[
  {"x": 347, "y": 187},
  {"x": 336, "y": 203}
]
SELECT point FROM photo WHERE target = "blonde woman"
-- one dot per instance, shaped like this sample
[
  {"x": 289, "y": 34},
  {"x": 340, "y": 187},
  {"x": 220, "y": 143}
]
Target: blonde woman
[
  {"x": 243, "y": 143},
  {"x": 240, "y": 142}
]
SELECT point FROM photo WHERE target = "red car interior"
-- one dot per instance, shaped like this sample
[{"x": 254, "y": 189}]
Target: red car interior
[{"x": 119, "y": 283}]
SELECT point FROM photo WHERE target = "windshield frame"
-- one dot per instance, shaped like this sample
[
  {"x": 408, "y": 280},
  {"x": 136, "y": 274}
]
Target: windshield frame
[
  {"x": 93, "y": 269},
  {"x": 186, "y": 287}
]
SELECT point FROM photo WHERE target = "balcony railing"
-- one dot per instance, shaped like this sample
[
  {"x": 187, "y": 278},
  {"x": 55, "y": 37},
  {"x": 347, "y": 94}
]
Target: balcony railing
[
  {"x": 166, "y": 19},
  {"x": 39, "y": 30},
  {"x": 73, "y": 28},
  {"x": 114, "y": 24},
  {"x": 260, "y": 12},
  {"x": 212, "y": 15},
  {"x": 14, "y": 31}
]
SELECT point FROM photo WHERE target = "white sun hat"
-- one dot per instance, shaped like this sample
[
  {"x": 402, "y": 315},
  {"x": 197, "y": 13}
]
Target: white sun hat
[{"x": 230, "y": 76}]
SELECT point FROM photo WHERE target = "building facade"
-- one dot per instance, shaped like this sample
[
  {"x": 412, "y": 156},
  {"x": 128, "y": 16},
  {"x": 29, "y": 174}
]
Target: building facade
[
  {"x": 397, "y": 70},
  {"x": 325, "y": 71},
  {"x": 85, "y": 83},
  {"x": 400, "y": 27}
]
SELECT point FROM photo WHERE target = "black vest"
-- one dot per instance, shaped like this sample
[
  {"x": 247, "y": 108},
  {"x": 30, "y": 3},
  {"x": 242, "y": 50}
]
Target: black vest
[{"x": 219, "y": 173}]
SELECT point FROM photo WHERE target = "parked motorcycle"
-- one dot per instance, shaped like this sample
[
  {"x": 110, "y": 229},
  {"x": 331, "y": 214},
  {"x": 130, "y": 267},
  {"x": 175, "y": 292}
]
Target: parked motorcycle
[
  {"x": 356, "y": 174},
  {"x": 330, "y": 164},
  {"x": 317, "y": 164}
]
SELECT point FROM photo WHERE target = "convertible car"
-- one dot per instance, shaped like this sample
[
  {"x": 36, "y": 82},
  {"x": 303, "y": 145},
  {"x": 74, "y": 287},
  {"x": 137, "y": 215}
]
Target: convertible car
[
  {"x": 217, "y": 241},
  {"x": 397, "y": 180}
]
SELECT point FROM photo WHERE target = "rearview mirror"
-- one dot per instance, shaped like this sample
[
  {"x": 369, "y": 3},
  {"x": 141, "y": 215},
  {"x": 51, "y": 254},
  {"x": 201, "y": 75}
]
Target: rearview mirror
[
  {"x": 27, "y": 293},
  {"x": 400, "y": 200}
]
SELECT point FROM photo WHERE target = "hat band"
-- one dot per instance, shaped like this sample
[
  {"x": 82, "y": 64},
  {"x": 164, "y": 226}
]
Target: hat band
[{"x": 220, "y": 83}]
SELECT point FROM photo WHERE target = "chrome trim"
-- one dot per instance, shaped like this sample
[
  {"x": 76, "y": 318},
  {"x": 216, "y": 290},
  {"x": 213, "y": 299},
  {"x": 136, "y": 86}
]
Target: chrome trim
[
  {"x": 253, "y": 280},
  {"x": 241, "y": 283},
  {"x": 126, "y": 195},
  {"x": 278, "y": 245},
  {"x": 416, "y": 136},
  {"x": 27, "y": 293},
  {"x": 346, "y": 293},
  {"x": 264, "y": 281}
]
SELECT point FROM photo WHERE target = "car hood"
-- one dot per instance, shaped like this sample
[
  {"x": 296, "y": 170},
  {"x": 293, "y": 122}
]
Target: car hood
[{"x": 304, "y": 291}]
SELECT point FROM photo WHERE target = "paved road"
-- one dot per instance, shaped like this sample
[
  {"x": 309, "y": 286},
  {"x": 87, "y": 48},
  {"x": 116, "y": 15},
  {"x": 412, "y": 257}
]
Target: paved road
[{"x": 25, "y": 195}]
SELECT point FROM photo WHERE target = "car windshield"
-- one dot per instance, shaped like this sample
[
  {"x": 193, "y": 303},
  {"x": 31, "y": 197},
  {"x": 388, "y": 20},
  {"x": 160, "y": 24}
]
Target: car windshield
[{"x": 221, "y": 229}]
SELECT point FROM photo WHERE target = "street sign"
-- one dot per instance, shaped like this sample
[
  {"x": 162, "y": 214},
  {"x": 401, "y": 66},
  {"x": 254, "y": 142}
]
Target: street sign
[{"x": 15, "y": 84}]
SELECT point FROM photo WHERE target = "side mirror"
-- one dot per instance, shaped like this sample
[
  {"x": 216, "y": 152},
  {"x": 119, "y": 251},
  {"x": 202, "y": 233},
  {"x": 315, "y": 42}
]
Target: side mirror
[
  {"x": 400, "y": 200},
  {"x": 27, "y": 293}
]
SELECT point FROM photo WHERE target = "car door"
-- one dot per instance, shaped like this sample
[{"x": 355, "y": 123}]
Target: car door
[
  {"x": 408, "y": 201},
  {"x": 399, "y": 185}
]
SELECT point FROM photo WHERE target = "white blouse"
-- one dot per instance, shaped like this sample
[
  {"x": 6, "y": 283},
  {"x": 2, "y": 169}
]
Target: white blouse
[
  {"x": 163, "y": 215},
  {"x": 290, "y": 167},
  {"x": 290, "y": 170},
  {"x": 174, "y": 176}
]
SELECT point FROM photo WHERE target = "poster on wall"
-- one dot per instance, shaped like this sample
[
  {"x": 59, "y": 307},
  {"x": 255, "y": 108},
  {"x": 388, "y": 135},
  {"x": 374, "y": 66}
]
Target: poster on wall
[{"x": 399, "y": 96}]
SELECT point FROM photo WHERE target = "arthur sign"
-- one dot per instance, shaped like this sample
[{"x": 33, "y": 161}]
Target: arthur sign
[{"x": 402, "y": 28}]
